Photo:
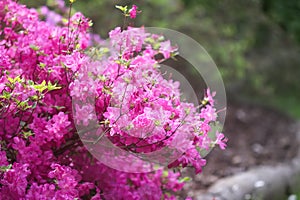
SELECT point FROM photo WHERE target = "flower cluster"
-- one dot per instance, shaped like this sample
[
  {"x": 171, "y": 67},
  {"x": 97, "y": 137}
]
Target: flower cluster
[
  {"x": 138, "y": 109},
  {"x": 44, "y": 66}
]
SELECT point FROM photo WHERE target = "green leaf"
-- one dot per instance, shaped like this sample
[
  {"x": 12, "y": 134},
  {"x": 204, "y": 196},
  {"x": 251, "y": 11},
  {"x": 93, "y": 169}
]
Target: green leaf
[
  {"x": 165, "y": 173},
  {"x": 6, "y": 95},
  {"x": 174, "y": 54},
  {"x": 42, "y": 65},
  {"x": 5, "y": 168},
  {"x": 34, "y": 105},
  {"x": 156, "y": 46},
  {"x": 59, "y": 107},
  {"x": 77, "y": 46},
  {"x": 11, "y": 80},
  {"x": 185, "y": 179},
  {"x": 149, "y": 40},
  {"x": 26, "y": 134},
  {"x": 30, "y": 82},
  {"x": 157, "y": 123},
  {"x": 52, "y": 87},
  {"x": 65, "y": 21},
  {"x": 104, "y": 50},
  {"x": 127, "y": 80},
  {"x": 107, "y": 90},
  {"x": 34, "y": 47},
  {"x": 41, "y": 87},
  {"x": 187, "y": 111},
  {"x": 123, "y": 62},
  {"x": 34, "y": 97},
  {"x": 161, "y": 38},
  {"x": 122, "y": 8},
  {"x": 24, "y": 105},
  {"x": 102, "y": 78}
]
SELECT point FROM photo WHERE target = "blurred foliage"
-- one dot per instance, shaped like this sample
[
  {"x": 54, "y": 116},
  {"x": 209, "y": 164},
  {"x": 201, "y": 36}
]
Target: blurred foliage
[
  {"x": 251, "y": 41},
  {"x": 285, "y": 13}
]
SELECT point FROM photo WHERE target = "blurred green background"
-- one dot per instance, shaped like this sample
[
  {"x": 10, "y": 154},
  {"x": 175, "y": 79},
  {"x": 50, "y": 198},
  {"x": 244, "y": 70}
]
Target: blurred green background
[{"x": 255, "y": 43}]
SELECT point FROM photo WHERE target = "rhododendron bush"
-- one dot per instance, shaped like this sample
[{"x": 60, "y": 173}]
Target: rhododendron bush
[{"x": 52, "y": 81}]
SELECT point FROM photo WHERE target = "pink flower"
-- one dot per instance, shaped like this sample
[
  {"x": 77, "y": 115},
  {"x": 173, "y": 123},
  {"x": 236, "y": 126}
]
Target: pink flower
[
  {"x": 142, "y": 126},
  {"x": 208, "y": 113},
  {"x": 3, "y": 158},
  {"x": 46, "y": 191},
  {"x": 14, "y": 182},
  {"x": 52, "y": 17},
  {"x": 150, "y": 191},
  {"x": 133, "y": 12},
  {"x": 221, "y": 140},
  {"x": 166, "y": 48}
]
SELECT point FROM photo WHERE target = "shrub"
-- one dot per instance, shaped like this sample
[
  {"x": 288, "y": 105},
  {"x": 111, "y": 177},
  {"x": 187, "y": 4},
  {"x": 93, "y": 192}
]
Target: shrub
[{"x": 45, "y": 65}]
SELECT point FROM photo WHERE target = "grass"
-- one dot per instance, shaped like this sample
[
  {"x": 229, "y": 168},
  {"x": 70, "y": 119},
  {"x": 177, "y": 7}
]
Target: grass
[{"x": 287, "y": 104}]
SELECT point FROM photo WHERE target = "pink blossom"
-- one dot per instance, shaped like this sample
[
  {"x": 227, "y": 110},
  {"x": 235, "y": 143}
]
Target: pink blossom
[
  {"x": 44, "y": 191},
  {"x": 166, "y": 48},
  {"x": 52, "y": 17},
  {"x": 221, "y": 140},
  {"x": 133, "y": 12},
  {"x": 3, "y": 158},
  {"x": 14, "y": 182}
]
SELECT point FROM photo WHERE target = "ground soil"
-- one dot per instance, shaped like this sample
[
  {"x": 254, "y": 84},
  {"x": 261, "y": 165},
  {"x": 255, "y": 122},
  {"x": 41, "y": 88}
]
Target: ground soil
[{"x": 257, "y": 136}]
